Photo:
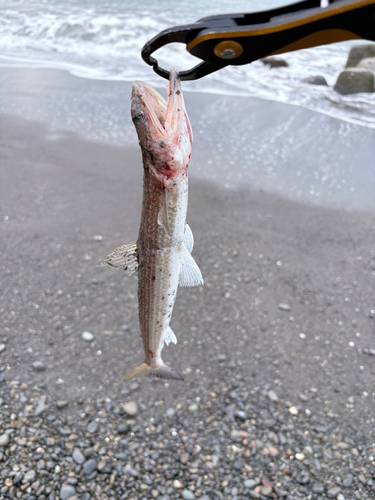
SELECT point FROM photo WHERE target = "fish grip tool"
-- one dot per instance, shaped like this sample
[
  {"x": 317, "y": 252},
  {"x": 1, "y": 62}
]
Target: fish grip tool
[{"x": 236, "y": 39}]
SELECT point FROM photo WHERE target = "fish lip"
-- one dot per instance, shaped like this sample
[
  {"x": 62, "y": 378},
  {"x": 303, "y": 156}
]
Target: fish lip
[{"x": 154, "y": 103}]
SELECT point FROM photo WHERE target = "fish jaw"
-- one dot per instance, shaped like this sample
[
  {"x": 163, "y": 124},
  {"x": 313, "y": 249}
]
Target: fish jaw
[{"x": 163, "y": 128}]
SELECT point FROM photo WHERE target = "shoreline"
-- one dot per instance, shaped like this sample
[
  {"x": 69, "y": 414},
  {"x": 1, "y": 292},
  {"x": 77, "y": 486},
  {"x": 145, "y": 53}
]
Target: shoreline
[{"x": 238, "y": 141}]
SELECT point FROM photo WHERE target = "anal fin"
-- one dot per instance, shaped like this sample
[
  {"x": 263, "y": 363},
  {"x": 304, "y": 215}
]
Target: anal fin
[
  {"x": 188, "y": 238},
  {"x": 169, "y": 336},
  {"x": 124, "y": 257}
]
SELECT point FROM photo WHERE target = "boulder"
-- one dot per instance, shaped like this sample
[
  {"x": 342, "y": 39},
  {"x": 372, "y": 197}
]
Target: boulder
[
  {"x": 275, "y": 62},
  {"x": 315, "y": 80},
  {"x": 354, "y": 80},
  {"x": 368, "y": 63},
  {"x": 359, "y": 52}
]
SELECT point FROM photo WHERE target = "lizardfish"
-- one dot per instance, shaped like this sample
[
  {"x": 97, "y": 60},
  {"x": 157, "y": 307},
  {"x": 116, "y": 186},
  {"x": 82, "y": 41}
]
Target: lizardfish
[{"x": 161, "y": 256}]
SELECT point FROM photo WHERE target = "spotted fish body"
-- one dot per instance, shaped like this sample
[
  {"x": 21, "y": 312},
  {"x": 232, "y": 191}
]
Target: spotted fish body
[{"x": 161, "y": 256}]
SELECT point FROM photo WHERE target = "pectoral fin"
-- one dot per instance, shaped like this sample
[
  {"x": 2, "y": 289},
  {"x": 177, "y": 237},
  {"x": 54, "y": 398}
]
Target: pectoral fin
[
  {"x": 190, "y": 274},
  {"x": 124, "y": 257}
]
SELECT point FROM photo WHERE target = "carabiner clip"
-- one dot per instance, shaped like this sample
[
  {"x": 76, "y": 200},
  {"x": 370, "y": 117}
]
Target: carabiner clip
[
  {"x": 179, "y": 34},
  {"x": 236, "y": 39}
]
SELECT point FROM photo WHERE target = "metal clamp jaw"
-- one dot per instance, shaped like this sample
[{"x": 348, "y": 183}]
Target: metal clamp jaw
[{"x": 236, "y": 39}]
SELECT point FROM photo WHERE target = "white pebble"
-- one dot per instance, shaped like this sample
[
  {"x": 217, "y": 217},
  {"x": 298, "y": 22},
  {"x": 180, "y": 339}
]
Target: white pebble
[{"x": 87, "y": 336}]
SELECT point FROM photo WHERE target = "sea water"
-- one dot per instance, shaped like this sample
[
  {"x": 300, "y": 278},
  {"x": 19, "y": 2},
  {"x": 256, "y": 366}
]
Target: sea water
[{"x": 103, "y": 40}]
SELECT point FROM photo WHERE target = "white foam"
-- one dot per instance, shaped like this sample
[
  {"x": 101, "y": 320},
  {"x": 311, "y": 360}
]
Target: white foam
[{"x": 104, "y": 40}]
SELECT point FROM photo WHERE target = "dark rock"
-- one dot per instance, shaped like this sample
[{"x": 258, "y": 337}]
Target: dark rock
[
  {"x": 359, "y": 52},
  {"x": 275, "y": 62},
  {"x": 17, "y": 478},
  {"x": 123, "y": 427},
  {"x": 315, "y": 80},
  {"x": 353, "y": 81},
  {"x": 89, "y": 466}
]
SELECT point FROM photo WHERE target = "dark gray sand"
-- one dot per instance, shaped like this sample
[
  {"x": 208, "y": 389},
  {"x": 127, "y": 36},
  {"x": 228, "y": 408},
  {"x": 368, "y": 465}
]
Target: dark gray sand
[{"x": 277, "y": 349}]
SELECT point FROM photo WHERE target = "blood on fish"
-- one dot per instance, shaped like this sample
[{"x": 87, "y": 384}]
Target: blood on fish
[{"x": 151, "y": 354}]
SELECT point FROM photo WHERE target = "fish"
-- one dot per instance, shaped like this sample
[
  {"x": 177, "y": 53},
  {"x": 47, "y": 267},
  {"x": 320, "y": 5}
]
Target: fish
[{"x": 161, "y": 256}]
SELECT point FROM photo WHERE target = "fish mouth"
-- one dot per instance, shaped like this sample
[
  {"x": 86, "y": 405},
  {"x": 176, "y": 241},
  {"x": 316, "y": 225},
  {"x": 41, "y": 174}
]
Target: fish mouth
[{"x": 160, "y": 113}]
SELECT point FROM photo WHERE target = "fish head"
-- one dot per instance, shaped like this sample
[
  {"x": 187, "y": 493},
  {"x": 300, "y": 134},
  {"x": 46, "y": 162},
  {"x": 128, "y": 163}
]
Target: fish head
[{"x": 163, "y": 127}]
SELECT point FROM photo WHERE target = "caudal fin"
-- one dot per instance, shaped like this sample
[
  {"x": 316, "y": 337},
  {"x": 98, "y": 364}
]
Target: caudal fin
[{"x": 162, "y": 371}]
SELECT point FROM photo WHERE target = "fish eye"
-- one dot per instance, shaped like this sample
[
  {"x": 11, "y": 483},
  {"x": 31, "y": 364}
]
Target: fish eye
[{"x": 138, "y": 117}]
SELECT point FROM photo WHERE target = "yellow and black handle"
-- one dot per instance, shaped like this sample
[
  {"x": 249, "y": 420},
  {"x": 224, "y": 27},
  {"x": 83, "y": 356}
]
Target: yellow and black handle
[{"x": 235, "y": 39}]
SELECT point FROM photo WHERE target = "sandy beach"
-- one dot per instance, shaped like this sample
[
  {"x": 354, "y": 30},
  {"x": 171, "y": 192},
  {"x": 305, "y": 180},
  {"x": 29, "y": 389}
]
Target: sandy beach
[{"x": 288, "y": 304}]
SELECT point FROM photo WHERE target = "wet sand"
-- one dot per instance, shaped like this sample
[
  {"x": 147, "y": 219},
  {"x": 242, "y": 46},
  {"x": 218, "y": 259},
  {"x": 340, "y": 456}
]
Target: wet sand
[{"x": 255, "y": 249}]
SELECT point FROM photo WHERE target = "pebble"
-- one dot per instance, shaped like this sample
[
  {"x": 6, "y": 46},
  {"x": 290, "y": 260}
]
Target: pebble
[
  {"x": 254, "y": 494},
  {"x": 130, "y": 408},
  {"x": 249, "y": 483},
  {"x": 67, "y": 491},
  {"x": 123, "y": 427},
  {"x": 92, "y": 427},
  {"x": 184, "y": 457},
  {"x": 347, "y": 481},
  {"x": 284, "y": 307},
  {"x": 333, "y": 492},
  {"x": 130, "y": 471},
  {"x": 78, "y": 457},
  {"x": 318, "y": 487},
  {"x": 89, "y": 466},
  {"x": 266, "y": 490},
  {"x": 2, "y": 347},
  {"x": 193, "y": 407},
  {"x": 188, "y": 495},
  {"x": 272, "y": 396},
  {"x": 40, "y": 407},
  {"x": 170, "y": 412},
  {"x": 177, "y": 484},
  {"x": 39, "y": 366},
  {"x": 4, "y": 439},
  {"x": 101, "y": 465},
  {"x": 87, "y": 336},
  {"x": 29, "y": 477},
  {"x": 61, "y": 404},
  {"x": 340, "y": 496},
  {"x": 17, "y": 478}
]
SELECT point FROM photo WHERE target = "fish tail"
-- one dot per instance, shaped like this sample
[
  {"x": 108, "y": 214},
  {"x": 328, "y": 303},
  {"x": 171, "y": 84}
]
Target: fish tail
[{"x": 161, "y": 371}]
